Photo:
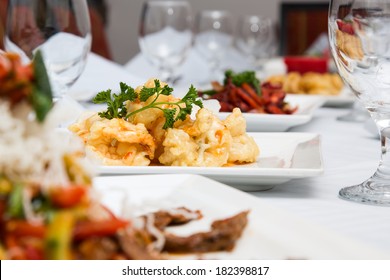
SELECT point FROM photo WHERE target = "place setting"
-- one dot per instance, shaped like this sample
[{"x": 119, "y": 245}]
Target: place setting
[{"x": 200, "y": 145}]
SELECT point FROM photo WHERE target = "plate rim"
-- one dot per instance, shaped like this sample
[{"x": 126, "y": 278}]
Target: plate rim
[
  {"x": 282, "y": 121},
  {"x": 252, "y": 172},
  {"x": 258, "y": 204}
]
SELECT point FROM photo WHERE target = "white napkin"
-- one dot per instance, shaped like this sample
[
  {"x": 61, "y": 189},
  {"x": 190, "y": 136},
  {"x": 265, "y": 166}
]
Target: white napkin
[{"x": 101, "y": 74}]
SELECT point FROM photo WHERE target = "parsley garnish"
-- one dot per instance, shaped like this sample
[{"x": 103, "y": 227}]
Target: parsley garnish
[{"x": 116, "y": 103}]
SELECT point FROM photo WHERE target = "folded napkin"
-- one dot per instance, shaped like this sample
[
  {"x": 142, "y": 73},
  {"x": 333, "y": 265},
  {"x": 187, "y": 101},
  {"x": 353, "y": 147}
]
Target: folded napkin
[{"x": 101, "y": 74}]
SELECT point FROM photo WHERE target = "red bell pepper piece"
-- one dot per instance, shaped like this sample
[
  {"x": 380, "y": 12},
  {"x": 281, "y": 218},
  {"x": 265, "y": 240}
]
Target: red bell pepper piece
[
  {"x": 21, "y": 228},
  {"x": 101, "y": 228}
]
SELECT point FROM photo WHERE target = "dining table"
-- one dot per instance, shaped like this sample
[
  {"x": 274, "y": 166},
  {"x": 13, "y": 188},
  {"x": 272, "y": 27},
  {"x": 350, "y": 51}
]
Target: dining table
[{"x": 350, "y": 153}]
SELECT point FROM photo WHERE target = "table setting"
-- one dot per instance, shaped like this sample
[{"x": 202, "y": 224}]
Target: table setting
[{"x": 135, "y": 161}]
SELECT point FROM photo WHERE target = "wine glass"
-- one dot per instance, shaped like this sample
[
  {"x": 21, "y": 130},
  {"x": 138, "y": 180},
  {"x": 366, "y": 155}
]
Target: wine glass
[
  {"x": 256, "y": 39},
  {"x": 357, "y": 114},
  {"x": 165, "y": 35},
  {"x": 359, "y": 32},
  {"x": 60, "y": 29},
  {"x": 214, "y": 37}
]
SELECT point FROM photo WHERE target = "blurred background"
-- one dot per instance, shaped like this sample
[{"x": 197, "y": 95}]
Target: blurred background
[
  {"x": 123, "y": 19},
  {"x": 115, "y": 23}
]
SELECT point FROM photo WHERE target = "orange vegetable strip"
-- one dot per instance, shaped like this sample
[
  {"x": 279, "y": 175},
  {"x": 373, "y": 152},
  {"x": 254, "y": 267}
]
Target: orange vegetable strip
[
  {"x": 252, "y": 93},
  {"x": 245, "y": 97}
]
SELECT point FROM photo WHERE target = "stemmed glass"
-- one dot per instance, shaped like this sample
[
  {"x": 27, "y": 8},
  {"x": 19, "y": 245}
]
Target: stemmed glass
[
  {"x": 165, "y": 35},
  {"x": 214, "y": 37},
  {"x": 60, "y": 29},
  {"x": 256, "y": 39},
  {"x": 356, "y": 114},
  {"x": 359, "y": 32}
]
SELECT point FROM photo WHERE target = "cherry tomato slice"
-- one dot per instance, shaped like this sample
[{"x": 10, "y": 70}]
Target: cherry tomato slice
[{"x": 67, "y": 197}]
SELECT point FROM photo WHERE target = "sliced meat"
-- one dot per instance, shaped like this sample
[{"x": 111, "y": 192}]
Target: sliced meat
[{"x": 222, "y": 236}]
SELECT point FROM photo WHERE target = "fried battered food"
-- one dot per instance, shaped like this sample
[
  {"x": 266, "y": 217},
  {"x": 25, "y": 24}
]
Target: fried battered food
[
  {"x": 309, "y": 83},
  {"x": 203, "y": 142},
  {"x": 153, "y": 119},
  {"x": 116, "y": 141},
  {"x": 243, "y": 148},
  {"x": 149, "y": 117},
  {"x": 141, "y": 139}
]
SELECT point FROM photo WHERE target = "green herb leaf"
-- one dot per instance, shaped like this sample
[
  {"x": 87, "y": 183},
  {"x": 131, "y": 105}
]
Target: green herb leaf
[
  {"x": 184, "y": 105},
  {"x": 146, "y": 93},
  {"x": 169, "y": 115},
  {"x": 127, "y": 92},
  {"x": 116, "y": 107},
  {"x": 166, "y": 90},
  {"x": 41, "y": 97},
  {"x": 209, "y": 92},
  {"x": 238, "y": 79},
  {"x": 15, "y": 202},
  {"x": 116, "y": 103},
  {"x": 102, "y": 97},
  {"x": 190, "y": 99}
]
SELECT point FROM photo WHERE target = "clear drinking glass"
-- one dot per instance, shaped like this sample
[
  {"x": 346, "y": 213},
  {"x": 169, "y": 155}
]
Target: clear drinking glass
[
  {"x": 165, "y": 35},
  {"x": 256, "y": 39},
  {"x": 59, "y": 28},
  {"x": 360, "y": 42},
  {"x": 214, "y": 37},
  {"x": 357, "y": 114}
]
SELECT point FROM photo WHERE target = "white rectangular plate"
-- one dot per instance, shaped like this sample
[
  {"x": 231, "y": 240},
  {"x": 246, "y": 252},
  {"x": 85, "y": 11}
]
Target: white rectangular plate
[
  {"x": 279, "y": 123},
  {"x": 270, "y": 233},
  {"x": 283, "y": 156},
  {"x": 344, "y": 99}
]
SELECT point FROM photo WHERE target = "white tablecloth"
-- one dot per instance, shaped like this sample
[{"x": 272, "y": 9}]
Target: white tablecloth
[{"x": 350, "y": 155}]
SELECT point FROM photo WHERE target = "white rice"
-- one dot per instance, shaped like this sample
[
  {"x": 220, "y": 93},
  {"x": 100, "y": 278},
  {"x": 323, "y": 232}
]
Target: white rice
[{"x": 29, "y": 151}]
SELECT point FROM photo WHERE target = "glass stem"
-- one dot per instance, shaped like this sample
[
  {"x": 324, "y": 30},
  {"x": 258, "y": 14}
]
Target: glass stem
[
  {"x": 214, "y": 65},
  {"x": 166, "y": 74},
  {"x": 383, "y": 124}
]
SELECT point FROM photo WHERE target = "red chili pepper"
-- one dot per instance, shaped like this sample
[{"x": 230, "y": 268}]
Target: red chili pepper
[
  {"x": 274, "y": 109},
  {"x": 87, "y": 229}
]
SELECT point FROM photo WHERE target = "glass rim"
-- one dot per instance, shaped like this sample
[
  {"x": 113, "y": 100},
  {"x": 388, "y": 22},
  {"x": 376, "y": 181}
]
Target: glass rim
[
  {"x": 214, "y": 13},
  {"x": 167, "y": 3},
  {"x": 256, "y": 17}
]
